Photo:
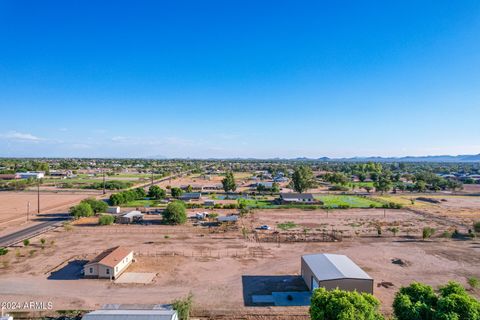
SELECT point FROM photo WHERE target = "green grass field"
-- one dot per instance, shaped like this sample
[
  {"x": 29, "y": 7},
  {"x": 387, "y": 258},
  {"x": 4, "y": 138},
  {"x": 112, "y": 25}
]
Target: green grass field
[
  {"x": 335, "y": 201},
  {"x": 143, "y": 203}
]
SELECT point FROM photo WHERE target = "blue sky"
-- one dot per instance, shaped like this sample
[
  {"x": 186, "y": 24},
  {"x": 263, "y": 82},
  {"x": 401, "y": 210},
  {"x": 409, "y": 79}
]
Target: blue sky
[{"x": 239, "y": 78}]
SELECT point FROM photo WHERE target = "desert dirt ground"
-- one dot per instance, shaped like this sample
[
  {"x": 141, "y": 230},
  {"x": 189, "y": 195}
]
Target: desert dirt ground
[
  {"x": 210, "y": 262},
  {"x": 13, "y": 208}
]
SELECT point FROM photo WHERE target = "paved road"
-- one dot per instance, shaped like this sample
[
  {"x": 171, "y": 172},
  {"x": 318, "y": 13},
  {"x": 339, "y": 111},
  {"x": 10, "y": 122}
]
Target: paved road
[{"x": 48, "y": 221}]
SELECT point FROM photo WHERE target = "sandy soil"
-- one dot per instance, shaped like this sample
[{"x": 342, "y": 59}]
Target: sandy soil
[
  {"x": 13, "y": 208},
  {"x": 210, "y": 262}
]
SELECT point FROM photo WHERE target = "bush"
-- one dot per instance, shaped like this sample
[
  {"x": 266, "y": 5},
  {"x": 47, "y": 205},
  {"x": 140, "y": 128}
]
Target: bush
[
  {"x": 175, "y": 213},
  {"x": 338, "y": 188},
  {"x": 96, "y": 205},
  {"x": 81, "y": 210},
  {"x": 343, "y": 305},
  {"x": 473, "y": 282},
  {"x": 476, "y": 226},
  {"x": 286, "y": 225},
  {"x": 105, "y": 220},
  {"x": 26, "y": 242},
  {"x": 427, "y": 232},
  {"x": 183, "y": 306},
  {"x": 3, "y": 251},
  {"x": 110, "y": 185}
]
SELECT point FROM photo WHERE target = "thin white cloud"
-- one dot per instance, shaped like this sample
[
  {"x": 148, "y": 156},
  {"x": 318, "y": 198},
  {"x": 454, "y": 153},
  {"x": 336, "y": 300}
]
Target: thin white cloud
[{"x": 20, "y": 136}]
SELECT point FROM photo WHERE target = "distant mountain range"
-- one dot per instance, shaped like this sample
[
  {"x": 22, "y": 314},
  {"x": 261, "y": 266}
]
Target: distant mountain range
[{"x": 442, "y": 158}]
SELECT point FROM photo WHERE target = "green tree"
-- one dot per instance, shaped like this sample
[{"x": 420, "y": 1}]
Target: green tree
[
  {"x": 81, "y": 210},
  {"x": 275, "y": 187},
  {"x": 156, "y": 192},
  {"x": 419, "y": 301},
  {"x": 26, "y": 242},
  {"x": 302, "y": 179},
  {"x": 415, "y": 302},
  {"x": 343, "y": 305},
  {"x": 383, "y": 183},
  {"x": 96, "y": 205},
  {"x": 229, "y": 182},
  {"x": 176, "y": 192},
  {"x": 175, "y": 213}
]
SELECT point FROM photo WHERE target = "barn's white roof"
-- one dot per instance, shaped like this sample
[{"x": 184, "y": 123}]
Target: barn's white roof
[
  {"x": 326, "y": 266},
  {"x": 131, "y": 315}
]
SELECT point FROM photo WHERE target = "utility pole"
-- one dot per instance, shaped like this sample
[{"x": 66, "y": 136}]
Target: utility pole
[
  {"x": 38, "y": 197},
  {"x": 104, "y": 191}
]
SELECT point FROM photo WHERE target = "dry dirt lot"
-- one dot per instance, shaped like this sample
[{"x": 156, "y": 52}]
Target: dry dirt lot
[
  {"x": 210, "y": 262},
  {"x": 13, "y": 208}
]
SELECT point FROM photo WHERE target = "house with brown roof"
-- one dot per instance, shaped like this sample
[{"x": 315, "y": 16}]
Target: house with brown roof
[{"x": 109, "y": 264}]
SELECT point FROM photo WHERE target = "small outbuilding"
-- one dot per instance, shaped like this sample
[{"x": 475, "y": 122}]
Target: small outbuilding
[
  {"x": 130, "y": 217},
  {"x": 332, "y": 271},
  {"x": 191, "y": 196},
  {"x": 109, "y": 264}
]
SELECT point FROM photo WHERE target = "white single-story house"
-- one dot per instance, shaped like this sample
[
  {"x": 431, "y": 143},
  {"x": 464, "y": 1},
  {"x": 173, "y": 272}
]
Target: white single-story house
[
  {"x": 109, "y": 264},
  {"x": 332, "y": 271},
  {"x": 297, "y": 198},
  {"x": 31, "y": 174}
]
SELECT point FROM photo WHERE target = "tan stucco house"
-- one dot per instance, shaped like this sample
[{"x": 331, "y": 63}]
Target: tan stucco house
[{"x": 110, "y": 264}]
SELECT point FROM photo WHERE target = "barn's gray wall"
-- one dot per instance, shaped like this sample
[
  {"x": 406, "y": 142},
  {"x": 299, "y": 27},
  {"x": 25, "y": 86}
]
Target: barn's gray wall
[{"x": 361, "y": 285}]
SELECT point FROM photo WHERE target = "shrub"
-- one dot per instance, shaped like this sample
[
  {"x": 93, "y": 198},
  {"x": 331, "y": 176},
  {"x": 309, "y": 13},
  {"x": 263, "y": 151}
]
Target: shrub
[
  {"x": 473, "y": 282},
  {"x": 26, "y": 242},
  {"x": 339, "y": 305},
  {"x": 3, "y": 251},
  {"x": 476, "y": 226},
  {"x": 427, "y": 232},
  {"x": 183, "y": 306},
  {"x": 286, "y": 225},
  {"x": 338, "y": 188},
  {"x": 175, "y": 213},
  {"x": 105, "y": 220}
]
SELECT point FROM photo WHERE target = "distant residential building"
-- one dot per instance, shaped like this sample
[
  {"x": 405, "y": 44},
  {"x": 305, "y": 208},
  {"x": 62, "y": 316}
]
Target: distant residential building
[
  {"x": 209, "y": 203},
  {"x": 31, "y": 174},
  {"x": 232, "y": 218},
  {"x": 7, "y": 176},
  {"x": 110, "y": 264},
  {"x": 212, "y": 187},
  {"x": 266, "y": 185},
  {"x": 130, "y": 217},
  {"x": 297, "y": 198},
  {"x": 191, "y": 196}
]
